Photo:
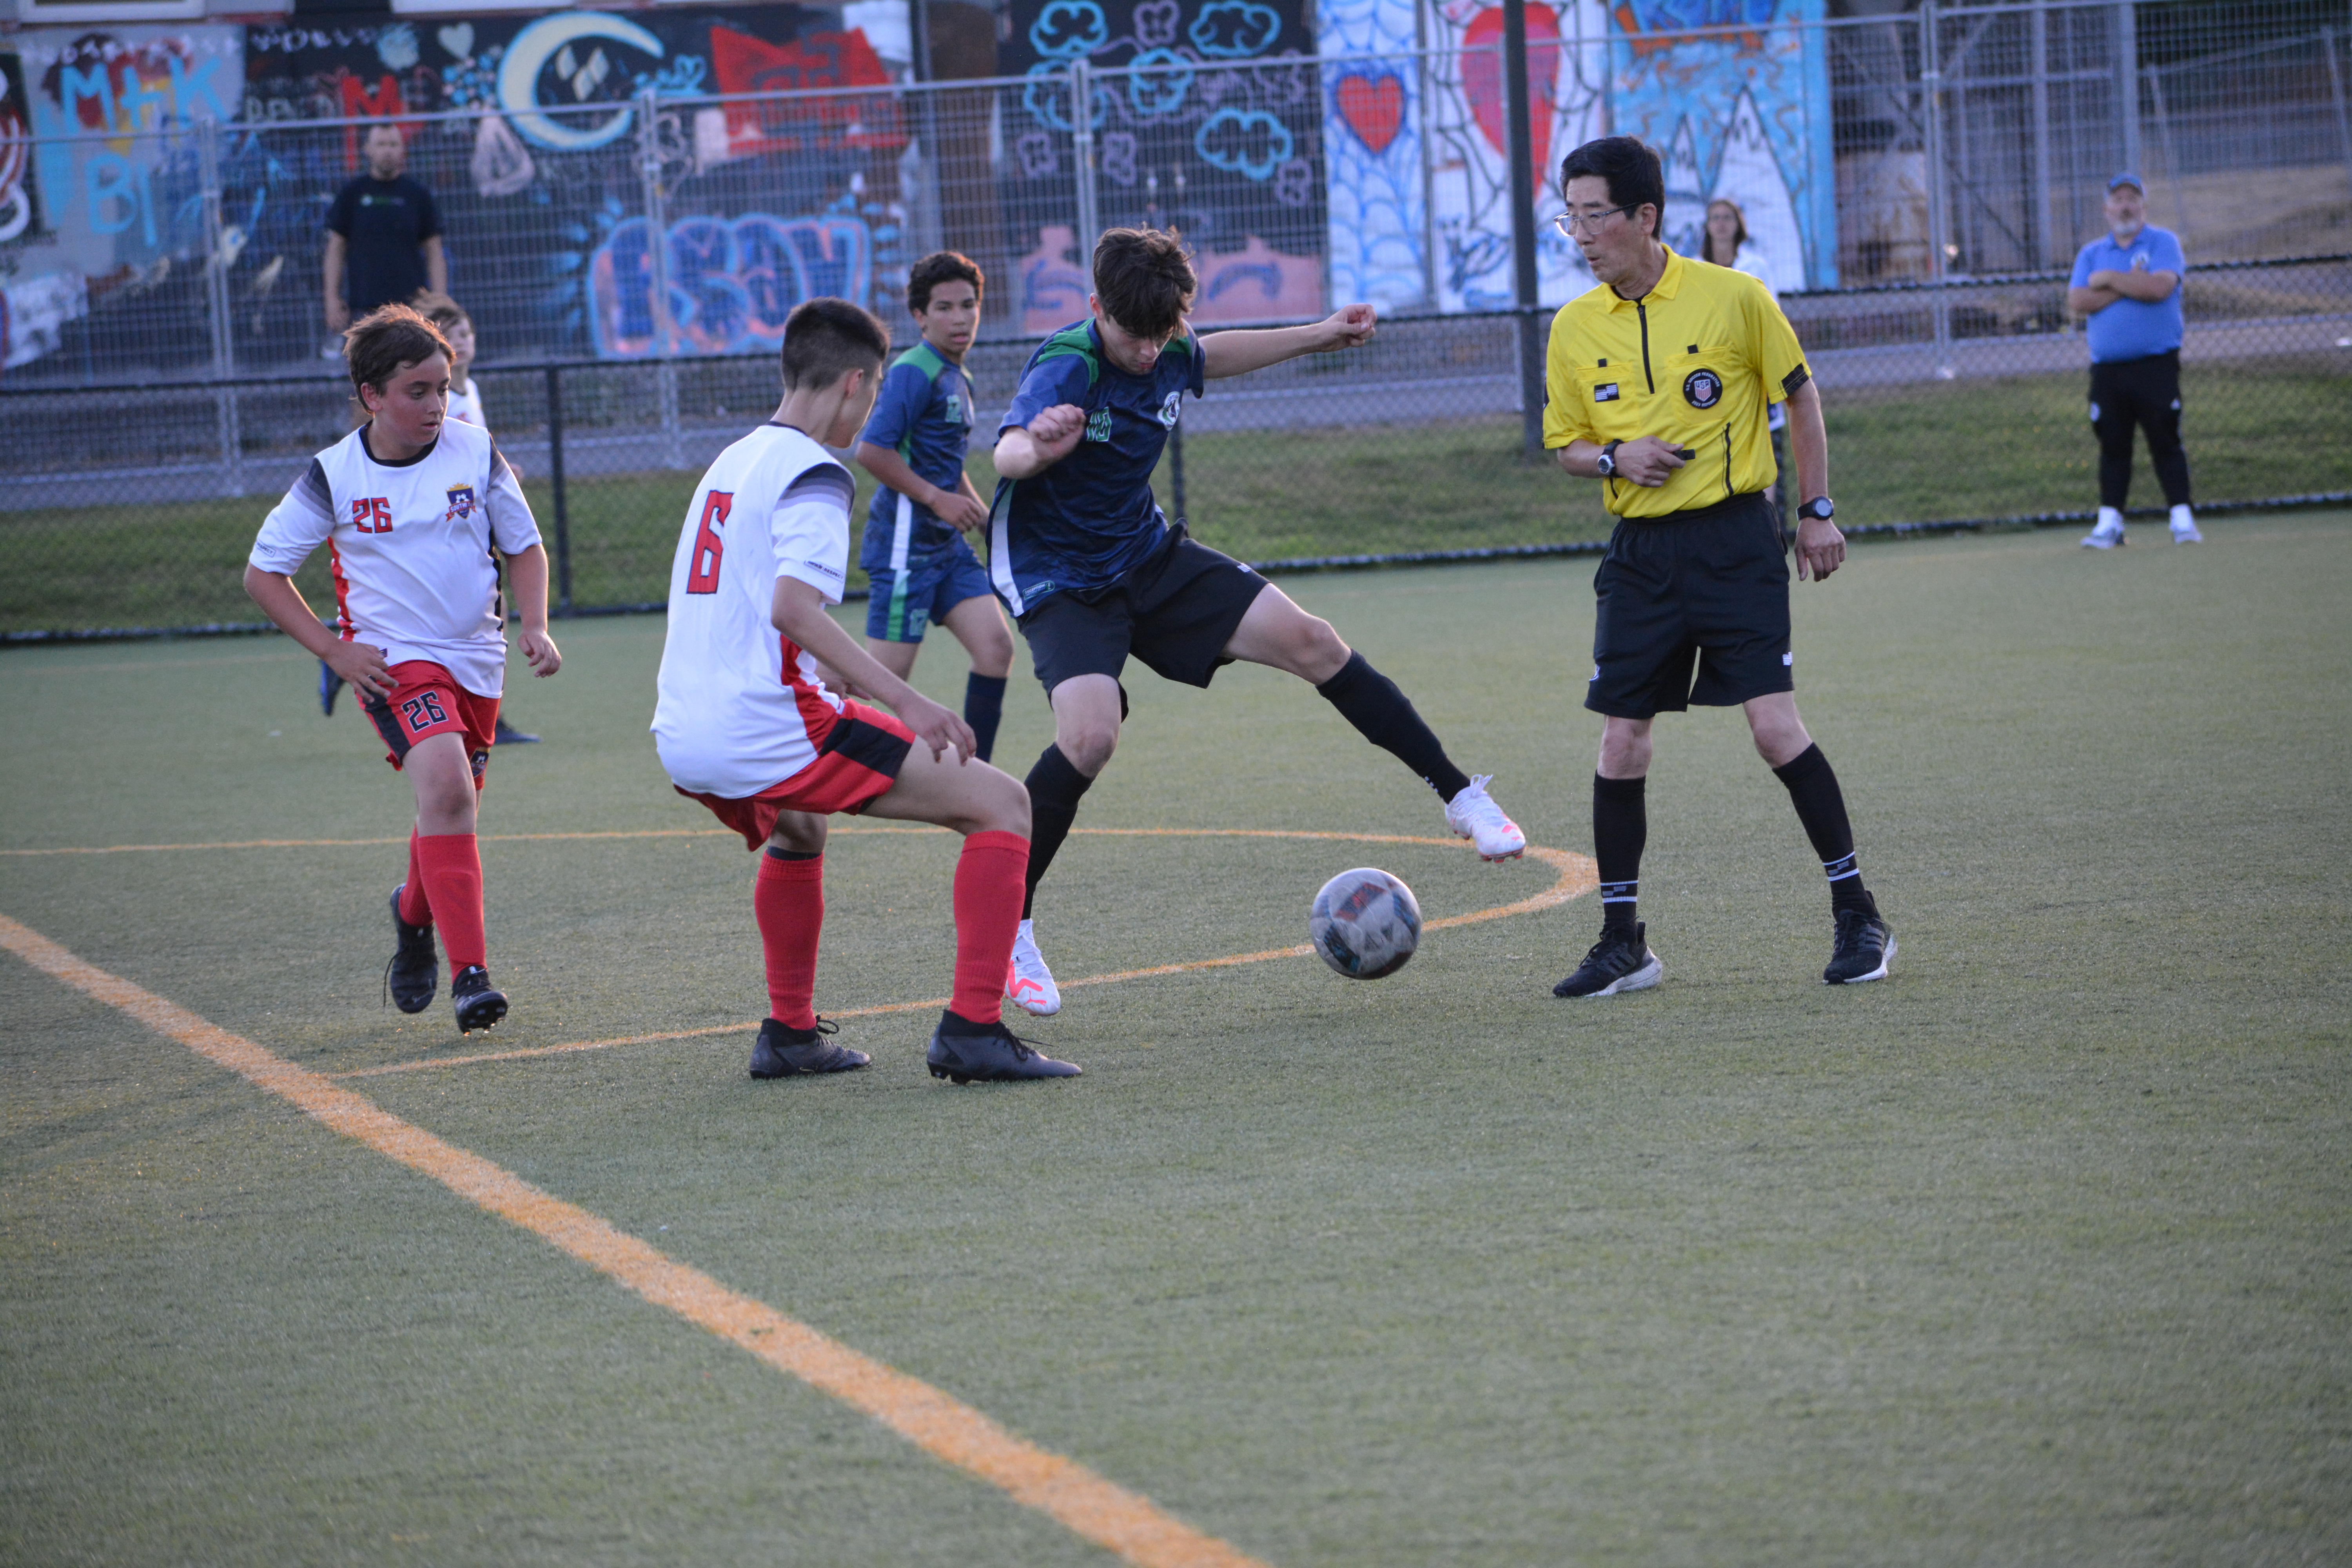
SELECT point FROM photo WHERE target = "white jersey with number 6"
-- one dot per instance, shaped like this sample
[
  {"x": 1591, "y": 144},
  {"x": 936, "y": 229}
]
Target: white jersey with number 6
[
  {"x": 409, "y": 544},
  {"x": 741, "y": 706}
]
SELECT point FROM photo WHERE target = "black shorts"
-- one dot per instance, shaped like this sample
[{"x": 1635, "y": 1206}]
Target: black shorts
[
  {"x": 1710, "y": 586},
  {"x": 1175, "y": 610}
]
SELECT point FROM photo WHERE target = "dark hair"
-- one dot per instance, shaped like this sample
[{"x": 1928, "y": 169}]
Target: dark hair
[
  {"x": 825, "y": 340},
  {"x": 1143, "y": 279},
  {"x": 388, "y": 341},
  {"x": 1707, "y": 235},
  {"x": 1632, "y": 168},
  {"x": 940, "y": 266},
  {"x": 439, "y": 309}
]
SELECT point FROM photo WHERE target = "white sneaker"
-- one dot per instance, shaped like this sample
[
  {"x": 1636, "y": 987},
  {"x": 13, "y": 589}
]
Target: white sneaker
[
  {"x": 2108, "y": 533},
  {"x": 1028, "y": 984},
  {"x": 2184, "y": 527},
  {"x": 1472, "y": 814}
]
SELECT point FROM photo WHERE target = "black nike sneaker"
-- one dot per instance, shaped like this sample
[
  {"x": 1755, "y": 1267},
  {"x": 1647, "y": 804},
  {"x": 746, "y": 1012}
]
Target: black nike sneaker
[
  {"x": 478, "y": 1007},
  {"x": 1864, "y": 948},
  {"x": 964, "y": 1050},
  {"x": 1621, "y": 961},
  {"x": 415, "y": 973},
  {"x": 782, "y": 1051}
]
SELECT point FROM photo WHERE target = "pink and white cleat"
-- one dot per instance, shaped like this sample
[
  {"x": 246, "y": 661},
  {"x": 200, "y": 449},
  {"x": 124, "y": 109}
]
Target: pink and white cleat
[
  {"x": 1028, "y": 984},
  {"x": 1472, "y": 814}
]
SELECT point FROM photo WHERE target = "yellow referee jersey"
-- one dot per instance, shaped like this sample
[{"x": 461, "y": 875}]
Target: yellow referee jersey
[{"x": 1696, "y": 361}]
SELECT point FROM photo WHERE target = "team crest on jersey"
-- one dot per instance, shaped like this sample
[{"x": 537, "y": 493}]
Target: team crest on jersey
[
  {"x": 1098, "y": 424},
  {"x": 1172, "y": 409},
  {"x": 461, "y": 502},
  {"x": 1702, "y": 389}
]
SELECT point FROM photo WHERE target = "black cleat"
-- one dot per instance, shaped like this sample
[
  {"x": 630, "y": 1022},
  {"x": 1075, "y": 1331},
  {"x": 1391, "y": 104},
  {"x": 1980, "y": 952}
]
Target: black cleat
[
  {"x": 330, "y": 684},
  {"x": 478, "y": 1007},
  {"x": 1864, "y": 947},
  {"x": 964, "y": 1050},
  {"x": 415, "y": 973},
  {"x": 507, "y": 735},
  {"x": 782, "y": 1051},
  {"x": 1619, "y": 962}
]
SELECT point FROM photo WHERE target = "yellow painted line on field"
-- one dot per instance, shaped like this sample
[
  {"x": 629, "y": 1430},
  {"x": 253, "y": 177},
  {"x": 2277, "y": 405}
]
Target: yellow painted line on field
[
  {"x": 1101, "y": 1512},
  {"x": 1578, "y": 875}
]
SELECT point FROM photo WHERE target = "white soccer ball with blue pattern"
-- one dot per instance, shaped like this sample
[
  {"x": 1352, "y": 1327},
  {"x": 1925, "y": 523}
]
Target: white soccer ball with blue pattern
[{"x": 1365, "y": 923}]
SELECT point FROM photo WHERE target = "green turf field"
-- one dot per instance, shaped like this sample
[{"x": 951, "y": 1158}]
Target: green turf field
[
  {"x": 1969, "y": 449},
  {"x": 2039, "y": 1253}
]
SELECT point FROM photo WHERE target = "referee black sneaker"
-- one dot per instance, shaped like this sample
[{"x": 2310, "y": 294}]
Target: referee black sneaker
[
  {"x": 478, "y": 1007},
  {"x": 1621, "y": 961},
  {"x": 1864, "y": 948},
  {"x": 415, "y": 973},
  {"x": 782, "y": 1051},
  {"x": 964, "y": 1050}
]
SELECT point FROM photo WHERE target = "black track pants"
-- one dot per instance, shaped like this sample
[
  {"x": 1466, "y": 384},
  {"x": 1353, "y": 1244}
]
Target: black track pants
[{"x": 2142, "y": 393}]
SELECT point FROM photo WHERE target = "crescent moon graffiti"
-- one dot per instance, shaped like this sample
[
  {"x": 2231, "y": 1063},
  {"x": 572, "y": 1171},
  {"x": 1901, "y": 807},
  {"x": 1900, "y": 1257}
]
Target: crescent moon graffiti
[{"x": 519, "y": 75}]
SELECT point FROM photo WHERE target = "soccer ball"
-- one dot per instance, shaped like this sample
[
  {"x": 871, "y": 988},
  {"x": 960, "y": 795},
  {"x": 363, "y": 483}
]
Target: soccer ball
[{"x": 1365, "y": 923}]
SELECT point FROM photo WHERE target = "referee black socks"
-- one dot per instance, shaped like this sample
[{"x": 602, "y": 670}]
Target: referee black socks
[
  {"x": 983, "y": 710},
  {"x": 1384, "y": 716},
  {"x": 1620, "y": 827},
  {"x": 1055, "y": 787},
  {"x": 1820, "y": 807}
]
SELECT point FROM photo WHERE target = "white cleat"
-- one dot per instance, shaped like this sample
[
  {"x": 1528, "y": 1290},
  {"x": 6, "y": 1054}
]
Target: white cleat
[
  {"x": 1028, "y": 984},
  {"x": 1472, "y": 814},
  {"x": 2108, "y": 533},
  {"x": 2184, "y": 527}
]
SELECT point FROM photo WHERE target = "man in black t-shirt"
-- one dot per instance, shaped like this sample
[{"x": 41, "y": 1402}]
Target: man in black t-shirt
[{"x": 385, "y": 227}]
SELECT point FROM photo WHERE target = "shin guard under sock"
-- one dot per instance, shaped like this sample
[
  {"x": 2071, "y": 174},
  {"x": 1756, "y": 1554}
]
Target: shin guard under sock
[
  {"x": 788, "y": 899},
  {"x": 1055, "y": 787},
  {"x": 1385, "y": 716},
  {"x": 983, "y": 710},
  {"x": 415, "y": 908},
  {"x": 452, "y": 865},
  {"x": 1620, "y": 827},
  {"x": 1820, "y": 807},
  {"x": 989, "y": 879}
]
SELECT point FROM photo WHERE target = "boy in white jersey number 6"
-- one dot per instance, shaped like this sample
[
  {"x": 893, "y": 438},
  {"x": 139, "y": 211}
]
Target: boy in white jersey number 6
[
  {"x": 744, "y": 724},
  {"x": 410, "y": 506}
]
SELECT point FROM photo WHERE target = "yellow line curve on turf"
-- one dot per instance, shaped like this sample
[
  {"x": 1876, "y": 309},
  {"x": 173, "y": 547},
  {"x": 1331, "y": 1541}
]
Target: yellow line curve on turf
[
  {"x": 1101, "y": 1512},
  {"x": 1578, "y": 876}
]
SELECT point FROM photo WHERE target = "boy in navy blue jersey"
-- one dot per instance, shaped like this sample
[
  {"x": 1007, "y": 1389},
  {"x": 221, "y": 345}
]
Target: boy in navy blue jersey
[
  {"x": 921, "y": 570},
  {"x": 1079, "y": 553}
]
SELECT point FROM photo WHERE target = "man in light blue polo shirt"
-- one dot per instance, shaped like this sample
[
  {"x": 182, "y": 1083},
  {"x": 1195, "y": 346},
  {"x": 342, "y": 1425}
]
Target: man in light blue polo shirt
[{"x": 2128, "y": 284}]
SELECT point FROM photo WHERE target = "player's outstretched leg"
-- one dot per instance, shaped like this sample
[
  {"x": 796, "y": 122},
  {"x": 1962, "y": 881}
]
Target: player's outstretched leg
[
  {"x": 788, "y": 901},
  {"x": 1862, "y": 944},
  {"x": 991, "y": 809},
  {"x": 1275, "y": 631},
  {"x": 1087, "y": 710}
]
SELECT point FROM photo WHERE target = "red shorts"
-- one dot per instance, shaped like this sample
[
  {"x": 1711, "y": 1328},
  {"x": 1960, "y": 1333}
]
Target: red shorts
[
  {"x": 426, "y": 700},
  {"x": 856, "y": 765}
]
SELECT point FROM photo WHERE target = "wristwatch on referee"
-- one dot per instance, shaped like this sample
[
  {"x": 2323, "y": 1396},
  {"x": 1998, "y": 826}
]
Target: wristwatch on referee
[
  {"x": 1819, "y": 507},
  {"x": 1605, "y": 465}
]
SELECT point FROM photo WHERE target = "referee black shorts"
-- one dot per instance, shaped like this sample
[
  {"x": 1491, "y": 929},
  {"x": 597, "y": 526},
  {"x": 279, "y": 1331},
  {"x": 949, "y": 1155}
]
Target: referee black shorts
[
  {"x": 1176, "y": 609},
  {"x": 1707, "y": 587}
]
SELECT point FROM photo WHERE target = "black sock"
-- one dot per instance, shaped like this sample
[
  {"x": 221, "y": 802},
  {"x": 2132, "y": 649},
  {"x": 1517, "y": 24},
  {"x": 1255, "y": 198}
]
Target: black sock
[
  {"x": 1620, "y": 827},
  {"x": 1820, "y": 807},
  {"x": 1372, "y": 702},
  {"x": 1054, "y": 789},
  {"x": 984, "y": 709}
]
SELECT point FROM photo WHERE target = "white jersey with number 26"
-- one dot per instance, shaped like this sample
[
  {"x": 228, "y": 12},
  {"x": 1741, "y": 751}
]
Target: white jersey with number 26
[
  {"x": 741, "y": 706},
  {"x": 409, "y": 544}
]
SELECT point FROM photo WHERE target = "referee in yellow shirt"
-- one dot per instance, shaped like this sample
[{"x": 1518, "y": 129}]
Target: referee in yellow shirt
[{"x": 1659, "y": 382}]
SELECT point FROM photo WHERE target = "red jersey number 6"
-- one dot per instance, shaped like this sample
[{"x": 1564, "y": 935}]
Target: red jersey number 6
[
  {"x": 372, "y": 514},
  {"x": 702, "y": 570}
]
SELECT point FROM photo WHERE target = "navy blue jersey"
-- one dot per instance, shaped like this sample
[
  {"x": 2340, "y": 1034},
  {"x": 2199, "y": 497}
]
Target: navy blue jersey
[
  {"x": 924, "y": 414},
  {"x": 1087, "y": 520}
]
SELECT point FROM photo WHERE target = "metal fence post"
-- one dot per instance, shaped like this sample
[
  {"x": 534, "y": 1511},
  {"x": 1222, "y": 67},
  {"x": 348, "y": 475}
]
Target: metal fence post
[
  {"x": 2046, "y": 252},
  {"x": 2171, "y": 158},
  {"x": 2336, "y": 88},
  {"x": 2127, "y": 81},
  {"x": 1519, "y": 122},
  {"x": 650, "y": 170},
  {"x": 217, "y": 308},
  {"x": 1082, "y": 135},
  {"x": 555, "y": 478},
  {"x": 1931, "y": 81}
]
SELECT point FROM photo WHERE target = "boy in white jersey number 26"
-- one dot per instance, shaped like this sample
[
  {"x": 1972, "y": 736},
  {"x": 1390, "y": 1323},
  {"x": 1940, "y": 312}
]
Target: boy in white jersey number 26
[
  {"x": 745, "y": 725},
  {"x": 410, "y": 507}
]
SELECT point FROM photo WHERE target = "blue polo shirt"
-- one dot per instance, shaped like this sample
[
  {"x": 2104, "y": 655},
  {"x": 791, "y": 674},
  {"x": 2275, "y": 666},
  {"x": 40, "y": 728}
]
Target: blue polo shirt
[
  {"x": 1087, "y": 520},
  {"x": 2131, "y": 329},
  {"x": 924, "y": 414}
]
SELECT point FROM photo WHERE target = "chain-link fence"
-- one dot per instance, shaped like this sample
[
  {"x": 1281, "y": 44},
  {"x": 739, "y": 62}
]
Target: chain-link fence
[{"x": 1914, "y": 186}]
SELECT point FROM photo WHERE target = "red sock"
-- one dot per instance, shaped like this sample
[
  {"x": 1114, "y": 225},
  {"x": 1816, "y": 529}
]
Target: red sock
[
  {"x": 452, "y": 875},
  {"x": 990, "y": 879},
  {"x": 789, "y": 899},
  {"x": 415, "y": 907}
]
